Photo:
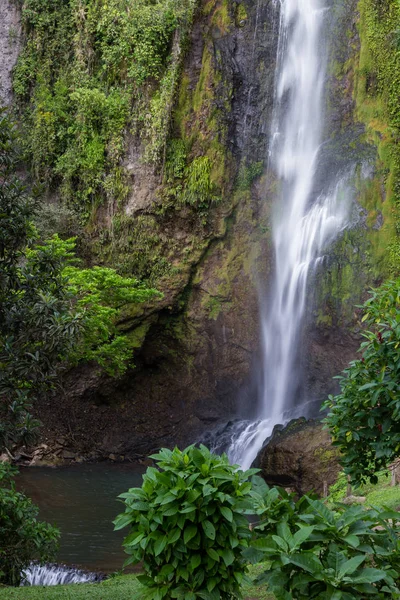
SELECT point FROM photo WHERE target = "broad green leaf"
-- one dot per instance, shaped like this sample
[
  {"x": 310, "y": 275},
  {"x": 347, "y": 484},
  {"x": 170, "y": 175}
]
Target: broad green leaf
[
  {"x": 213, "y": 554},
  {"x": 122, "y": 521},
  {"x": 369, "y": 575},
  {"x": 209, "y": 529},
  {"x": 189, "y": 533},
  {"x": 227, "y": 556},
  {"x": 351, "y": 565},
  {"x": 174, "y": 535},
  {"x": 284, "y": 532},
  {"x": 160, "y": 545},
  {"x": 195, "y": 561},
  {"x": 227, "y": 513},
  {"x": 352, "y": 540},
  {"x": 307, "y": 561},
  {"x": 133, "y": 538},
  {"x": 302, "y": 535}
]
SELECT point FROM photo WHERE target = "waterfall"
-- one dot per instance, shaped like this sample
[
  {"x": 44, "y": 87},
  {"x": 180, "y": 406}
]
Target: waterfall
[
  {"x": 307, "y": 216},
  {"x": 57, "y": 575}
]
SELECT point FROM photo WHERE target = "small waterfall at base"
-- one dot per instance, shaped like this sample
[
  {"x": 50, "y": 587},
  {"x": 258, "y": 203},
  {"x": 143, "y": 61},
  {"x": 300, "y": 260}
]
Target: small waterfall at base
[
  {"x": 307, "y": 218},
  {"x": 52, "y": 574}
]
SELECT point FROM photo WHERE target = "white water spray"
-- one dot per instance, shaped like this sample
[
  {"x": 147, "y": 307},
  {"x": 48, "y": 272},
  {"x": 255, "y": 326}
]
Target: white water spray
[
  {"x": 52, "y": 574},
  {"x": 305, "y": 221}
]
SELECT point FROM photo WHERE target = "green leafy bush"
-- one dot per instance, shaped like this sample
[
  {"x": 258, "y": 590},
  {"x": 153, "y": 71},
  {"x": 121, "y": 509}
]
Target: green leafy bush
[
  {"x": 314, "y": 552},
  {"x": 199, "y": 190},
  {"x": 101, "y": 294},
  {"x": 52, "y": 314},
  {"x": 364, "y": 418},
  {"x": 187, "y": 525},
  {"x": 38, "y": 326},
  {"x": 22, "y": 538}
]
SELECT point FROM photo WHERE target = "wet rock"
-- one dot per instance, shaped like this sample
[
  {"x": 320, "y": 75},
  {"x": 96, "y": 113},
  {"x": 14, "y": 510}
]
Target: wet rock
[
  {"x": 67, "y": 455},
  {"x": 4, "y": 458},
  {"x": 300, "y": 456}
]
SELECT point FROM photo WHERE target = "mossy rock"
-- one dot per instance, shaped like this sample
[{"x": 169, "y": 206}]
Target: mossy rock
[{"x": 300, "y": 456}]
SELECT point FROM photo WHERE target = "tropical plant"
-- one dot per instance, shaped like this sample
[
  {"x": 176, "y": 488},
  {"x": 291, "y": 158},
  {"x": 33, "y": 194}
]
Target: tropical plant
[
  {"x": 52, "y": 313},
  {"x": 22, "y": 538},
  {"x": 341, "y": 554},
  {"x": 37, "y": 325},
  {"x": 187, "y": 525},
  {"x": 364, "y": 418}
]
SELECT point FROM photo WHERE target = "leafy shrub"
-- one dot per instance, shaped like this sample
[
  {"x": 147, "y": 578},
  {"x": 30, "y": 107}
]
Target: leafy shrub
[
  {"x": 188, "y": 526},
  {"x": 37, "y": 324},
  {"x": 314, "y": 552},
  {"x": 22, "y": 537},
  {"x": 101, "y": 294},
  {"x": 364, "y": 418},
  {"x": 249, "y": 173},
  {"x": 51, "y": 313}
]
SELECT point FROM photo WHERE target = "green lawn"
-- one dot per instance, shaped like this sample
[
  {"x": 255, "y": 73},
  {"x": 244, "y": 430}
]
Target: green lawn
[
  {"x": 381, "y": 494},
  {"x": 125, "y": 587}
]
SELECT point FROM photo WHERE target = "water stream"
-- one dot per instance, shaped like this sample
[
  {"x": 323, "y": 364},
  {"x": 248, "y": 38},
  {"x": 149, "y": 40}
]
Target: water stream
[{"x": 307, "y": 218}]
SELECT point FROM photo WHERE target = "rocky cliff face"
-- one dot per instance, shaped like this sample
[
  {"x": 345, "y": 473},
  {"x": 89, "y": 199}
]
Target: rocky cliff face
[{"x": 198, "y": 346}]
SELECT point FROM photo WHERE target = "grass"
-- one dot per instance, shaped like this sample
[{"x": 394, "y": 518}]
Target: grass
[
  {"x": 382, "y": 495},
  {"x": 123, "y": 587}
]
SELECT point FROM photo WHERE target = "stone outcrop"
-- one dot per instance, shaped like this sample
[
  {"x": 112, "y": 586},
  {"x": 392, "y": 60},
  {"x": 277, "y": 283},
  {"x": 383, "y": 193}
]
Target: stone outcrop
[{"x": 301, "y": 457}]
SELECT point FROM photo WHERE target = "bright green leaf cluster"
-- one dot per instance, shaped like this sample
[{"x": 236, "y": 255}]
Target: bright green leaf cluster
[
  {"x": 187, "y": 525},
  {"x": 101, "y": 295}
]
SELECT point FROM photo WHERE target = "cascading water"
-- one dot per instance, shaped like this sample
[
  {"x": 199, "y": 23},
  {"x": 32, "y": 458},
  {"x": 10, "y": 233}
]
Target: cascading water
[
  {"x": 57, "y": 575},
  {"x": 305, "y": 221}
]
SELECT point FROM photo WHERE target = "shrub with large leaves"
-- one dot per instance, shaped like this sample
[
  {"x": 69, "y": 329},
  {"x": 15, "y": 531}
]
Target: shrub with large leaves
[
  {"x": 314, "y": 552},
  {"x": 188, "y": 526},
  {"x": 364, "y": 418}
]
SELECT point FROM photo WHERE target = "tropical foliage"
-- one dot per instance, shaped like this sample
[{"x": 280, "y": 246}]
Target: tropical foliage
[
  {"x": 314, "y": 552},
  {"x": 187, "y": 525},
  {"x": 364, "y": 418},
  {"x": 52, "y": 313},
  {"x": 38, "y": 327},
  {"x": 90, "y": 73}
]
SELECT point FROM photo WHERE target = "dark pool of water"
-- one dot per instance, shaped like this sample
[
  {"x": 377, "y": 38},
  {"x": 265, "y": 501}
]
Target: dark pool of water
[{"x": 82, "y": 502}]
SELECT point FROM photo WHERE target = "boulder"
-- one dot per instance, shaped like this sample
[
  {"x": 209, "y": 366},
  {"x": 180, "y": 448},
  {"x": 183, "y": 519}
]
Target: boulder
[{"x": 300, "y": 456}]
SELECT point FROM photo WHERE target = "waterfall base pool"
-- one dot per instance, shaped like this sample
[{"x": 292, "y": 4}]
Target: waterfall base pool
[{"x": 81, "y": 500}]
